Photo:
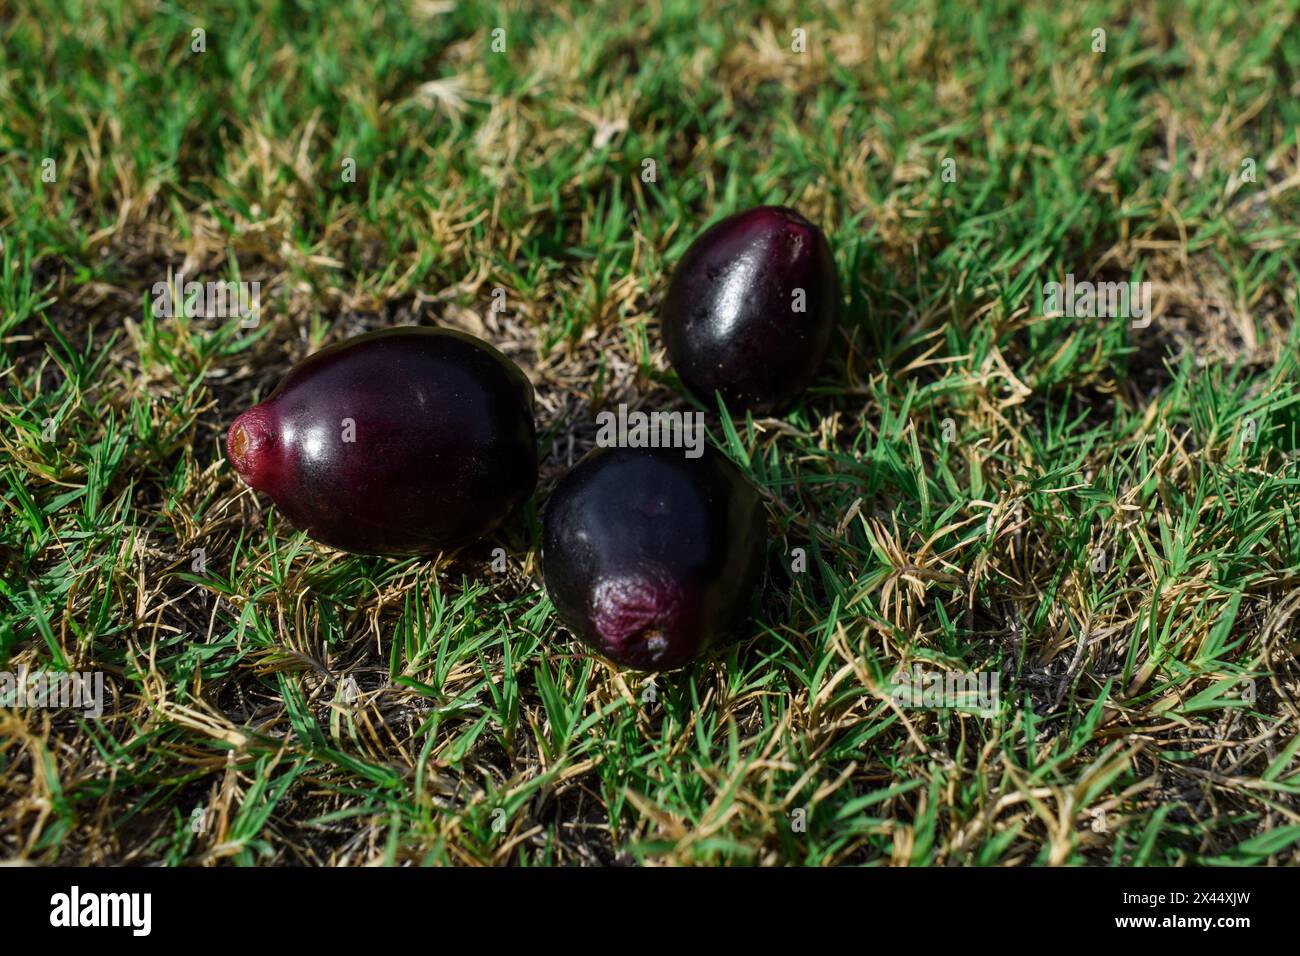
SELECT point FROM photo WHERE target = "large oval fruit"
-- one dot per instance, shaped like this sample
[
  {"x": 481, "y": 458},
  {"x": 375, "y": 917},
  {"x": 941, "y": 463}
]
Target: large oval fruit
[
  {"x": 405, "y": 441},
  {"x": 650, "y": 556},
  {"x": 751, "y": 308}
]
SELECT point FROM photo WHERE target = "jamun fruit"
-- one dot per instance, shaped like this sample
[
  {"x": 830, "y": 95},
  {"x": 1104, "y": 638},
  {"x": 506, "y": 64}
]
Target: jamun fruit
[
  {"x": 406, "y": 441},
  {"x": 650, "y": 556},
  {"x": 751, "y": 308}
]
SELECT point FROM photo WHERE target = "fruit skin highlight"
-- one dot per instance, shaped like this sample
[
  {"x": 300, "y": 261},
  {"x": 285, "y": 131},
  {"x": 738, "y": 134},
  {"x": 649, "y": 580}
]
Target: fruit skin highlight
[
  {"x": 650, "y": 556},
  {"x": 443, "y": 444},
  {"x": 729, "y": 320}
]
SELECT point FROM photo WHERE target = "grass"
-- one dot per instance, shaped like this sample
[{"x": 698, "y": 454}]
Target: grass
[{"x": 1106, "y": 516}]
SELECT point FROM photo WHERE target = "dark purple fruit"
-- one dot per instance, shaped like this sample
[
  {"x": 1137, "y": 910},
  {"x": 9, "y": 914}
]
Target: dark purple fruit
[
  {"x": 650, "y": 556},
  {"x": 406, "y": 441},
  {"x": 751, "y": 308}
]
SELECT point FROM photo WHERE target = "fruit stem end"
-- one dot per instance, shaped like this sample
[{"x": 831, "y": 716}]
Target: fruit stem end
[{"x": 248, "y": 444}]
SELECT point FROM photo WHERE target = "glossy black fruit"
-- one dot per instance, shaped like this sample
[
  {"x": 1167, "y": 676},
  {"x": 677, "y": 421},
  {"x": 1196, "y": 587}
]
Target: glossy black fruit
[
  {"x": 406, "y": 441},
  {"x": 751, "y": 308},
  {"x": 650, "y": 556}
]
